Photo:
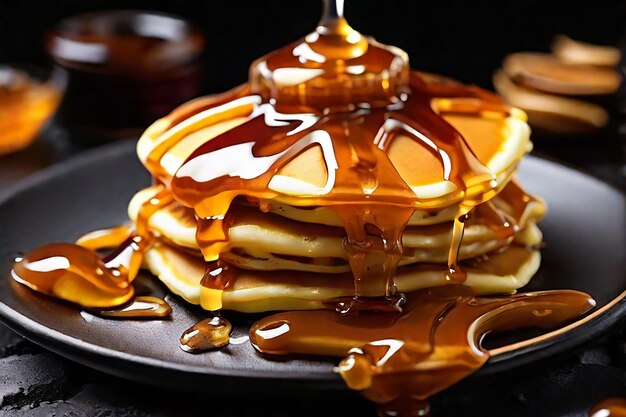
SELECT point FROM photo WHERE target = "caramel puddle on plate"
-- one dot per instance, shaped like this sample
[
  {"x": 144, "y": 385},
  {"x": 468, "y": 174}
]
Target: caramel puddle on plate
[
  {"x": 75, "y": 273},
  {"x": 398, "y": 361},
  {"x": 611, "y": 407}
]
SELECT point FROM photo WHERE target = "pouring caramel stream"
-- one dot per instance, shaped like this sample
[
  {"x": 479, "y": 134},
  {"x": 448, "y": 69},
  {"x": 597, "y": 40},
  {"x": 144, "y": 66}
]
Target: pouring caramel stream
[
  {"x": 352, "y": 99},
  {"x": 335, "y": 90}
]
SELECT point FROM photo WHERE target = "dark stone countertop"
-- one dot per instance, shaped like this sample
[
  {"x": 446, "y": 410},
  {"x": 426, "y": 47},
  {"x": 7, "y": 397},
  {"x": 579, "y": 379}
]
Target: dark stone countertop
[{"x": 34, "y": 382}]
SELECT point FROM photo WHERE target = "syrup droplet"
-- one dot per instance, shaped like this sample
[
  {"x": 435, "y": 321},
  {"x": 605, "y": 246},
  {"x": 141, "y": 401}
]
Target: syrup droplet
[
  {"x": 211, "y": 333},
  {"x": 455, "y": 273},
  {"x": 141, "y": 307}
]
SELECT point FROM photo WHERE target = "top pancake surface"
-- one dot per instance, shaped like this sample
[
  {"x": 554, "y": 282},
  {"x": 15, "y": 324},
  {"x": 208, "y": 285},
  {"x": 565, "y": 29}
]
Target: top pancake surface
[{"x": 208, "y": 130}]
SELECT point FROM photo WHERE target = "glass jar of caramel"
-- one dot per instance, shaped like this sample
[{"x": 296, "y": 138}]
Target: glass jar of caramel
[{"x": 126, "y": 69}]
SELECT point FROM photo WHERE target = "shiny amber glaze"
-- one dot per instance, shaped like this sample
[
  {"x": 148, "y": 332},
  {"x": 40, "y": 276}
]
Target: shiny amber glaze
[
  {"x": 77, "y": 274},
  {"x": 25, "y": 105},
  {"x": 398, "y": 361},
  {"x": 350, "y": 98}
]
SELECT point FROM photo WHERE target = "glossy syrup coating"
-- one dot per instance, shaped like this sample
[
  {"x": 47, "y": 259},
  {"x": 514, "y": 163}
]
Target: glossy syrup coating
[
  {"x": 400, "y": 360},
  {"x": 351, "y": 99},
  {"x": 77, "y": 274}
]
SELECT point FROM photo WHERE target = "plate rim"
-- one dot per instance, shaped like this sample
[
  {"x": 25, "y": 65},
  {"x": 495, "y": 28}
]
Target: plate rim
[{"x": 533, "y": 350}]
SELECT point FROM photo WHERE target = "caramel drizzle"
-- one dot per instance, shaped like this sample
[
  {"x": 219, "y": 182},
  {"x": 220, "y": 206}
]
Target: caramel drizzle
[
  {"x": 105, "y": 238},
  {"x": 354, "y": 148},
  {"x": 398, "y": 361},
  {"x": 356, "y": 97},
  {"x": 354, "y": 140},
  {"x": 75, "y": 273}
]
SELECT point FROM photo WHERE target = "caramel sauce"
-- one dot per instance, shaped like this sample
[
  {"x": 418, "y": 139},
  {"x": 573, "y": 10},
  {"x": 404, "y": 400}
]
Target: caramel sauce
[
  {"x": 503, "y": 225},
  {"x": 25, "y": 105},
  {"x": 399, "y": 360},
  {"x": 455, "y": 273},
  {"x": 145, "y": 307},
  {"x": 611, "y": 407},
  {"x": 105, "y": 238},
  {"x": 74, "y": 273},
  {"x": 339, "y": 102},
  {"x": 351, "y": 98},
  {"x": 208, "y": 334}
]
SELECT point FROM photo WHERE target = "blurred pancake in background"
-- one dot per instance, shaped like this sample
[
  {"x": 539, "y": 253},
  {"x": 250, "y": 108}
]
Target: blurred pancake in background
[{"x": 565, "y": 92}]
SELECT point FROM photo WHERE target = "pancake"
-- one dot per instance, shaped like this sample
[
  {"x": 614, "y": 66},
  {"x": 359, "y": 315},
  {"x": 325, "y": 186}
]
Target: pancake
[
  {"x": 291, "y": 228},
  {"x": 272, "y": 190},
  {"x": 254, "y": 291},
  {"x": 268, "y": 241},
  {"x": 576, "y": 52},
  {"x": 549, "y": 74},
  {"x": 307, "y": 174},
  {"x": 551, "y": 113}
]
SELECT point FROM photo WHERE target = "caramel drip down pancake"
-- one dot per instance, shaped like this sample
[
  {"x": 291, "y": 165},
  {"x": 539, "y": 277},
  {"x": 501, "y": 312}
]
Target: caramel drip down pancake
[
  {"x": 339, "y": 182},
  {"x": 257, "y": 291},
  {"x": 268, "y": 241},
  {"x": 327, "y": 162}
]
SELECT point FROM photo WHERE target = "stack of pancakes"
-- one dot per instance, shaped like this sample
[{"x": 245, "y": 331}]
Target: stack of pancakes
[{"x": 290, "y": 257}]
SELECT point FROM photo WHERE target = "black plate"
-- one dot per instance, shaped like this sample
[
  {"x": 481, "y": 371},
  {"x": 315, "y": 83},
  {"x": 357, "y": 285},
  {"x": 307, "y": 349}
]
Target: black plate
[{"x": 585, "y": 237}]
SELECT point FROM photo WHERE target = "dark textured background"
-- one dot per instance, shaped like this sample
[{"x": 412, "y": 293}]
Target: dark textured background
[{"x": 464, "y": 39}]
